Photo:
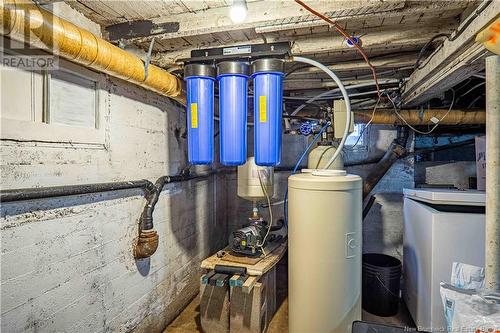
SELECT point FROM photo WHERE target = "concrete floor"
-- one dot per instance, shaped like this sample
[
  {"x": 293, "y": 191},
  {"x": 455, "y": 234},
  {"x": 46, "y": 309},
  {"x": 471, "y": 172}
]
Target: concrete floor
[{"x": 189, "y": 319}]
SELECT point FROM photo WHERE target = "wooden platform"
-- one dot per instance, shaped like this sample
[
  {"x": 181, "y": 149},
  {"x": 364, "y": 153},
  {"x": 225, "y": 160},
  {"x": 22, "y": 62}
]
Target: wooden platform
[
  {"x": 255, "y": 266},
  {"x": 239, "y": 303}
]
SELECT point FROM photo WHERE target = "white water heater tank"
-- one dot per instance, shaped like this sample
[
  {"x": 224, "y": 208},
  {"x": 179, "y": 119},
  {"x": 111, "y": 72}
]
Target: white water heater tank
[{"x": 324, "y": 251}]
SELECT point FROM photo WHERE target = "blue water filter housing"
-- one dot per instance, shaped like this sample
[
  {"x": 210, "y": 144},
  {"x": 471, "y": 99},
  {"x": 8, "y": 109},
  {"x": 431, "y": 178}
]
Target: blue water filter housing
[
  {"x": 233, "y": 86},
  {"x": 200, "y": 79},
  {"x": 268, "y": 108}
]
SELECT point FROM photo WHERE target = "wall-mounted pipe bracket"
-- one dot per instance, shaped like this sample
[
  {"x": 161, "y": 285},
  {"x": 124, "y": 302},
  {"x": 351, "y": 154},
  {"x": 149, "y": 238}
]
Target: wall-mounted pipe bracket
[{"x": 148, "y": 58}]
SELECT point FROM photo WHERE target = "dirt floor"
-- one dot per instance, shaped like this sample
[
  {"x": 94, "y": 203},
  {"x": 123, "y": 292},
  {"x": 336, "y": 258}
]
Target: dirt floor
[{"x": 189, "y": 319}]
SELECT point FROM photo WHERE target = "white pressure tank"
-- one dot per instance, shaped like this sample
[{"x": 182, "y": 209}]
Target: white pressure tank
[
  {"x": 249, "y": 183},
  {"x": 324, "y": 251}
]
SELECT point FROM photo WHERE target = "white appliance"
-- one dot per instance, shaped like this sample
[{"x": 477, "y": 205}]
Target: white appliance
[
  {"x": 440, "y": 227},
  {"x": 324, "y": 251}
]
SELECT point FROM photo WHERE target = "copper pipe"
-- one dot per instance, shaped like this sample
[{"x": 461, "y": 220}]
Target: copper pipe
[
  {"x": 25, "y": 22},
  {"x": 414, "y": 117}
]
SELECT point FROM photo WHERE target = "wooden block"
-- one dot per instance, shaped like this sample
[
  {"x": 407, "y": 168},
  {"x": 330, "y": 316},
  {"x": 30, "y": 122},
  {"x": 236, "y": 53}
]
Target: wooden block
[
  {"x": 233, "y": 281},
  {"x": 271, "y": 293},
  {"x": 249, "y": 284},
  {"x": 241, "y": 280},
  {"x": 245, "y": 310},
  {"x": 222, "y": 280},
  {"x": 213, "y": 280},
  {"x": 251, "y": 312},
  {"x": 214, "y": 309},
  {"x": 206, "y": 277},
  {"x": 237, "y": 280}
]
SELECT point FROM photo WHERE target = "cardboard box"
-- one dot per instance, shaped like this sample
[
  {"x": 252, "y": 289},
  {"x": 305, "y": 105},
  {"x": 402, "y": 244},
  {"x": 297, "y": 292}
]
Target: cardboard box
[{"x": 481, "y": 162}]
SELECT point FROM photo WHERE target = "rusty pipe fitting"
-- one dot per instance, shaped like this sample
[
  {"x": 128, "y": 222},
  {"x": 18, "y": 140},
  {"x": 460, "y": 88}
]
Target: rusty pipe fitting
[{"x": 146, "y": 245}]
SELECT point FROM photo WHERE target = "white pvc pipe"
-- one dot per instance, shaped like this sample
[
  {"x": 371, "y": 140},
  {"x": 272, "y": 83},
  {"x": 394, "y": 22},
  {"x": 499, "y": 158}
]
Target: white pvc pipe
[{"x": 346, "y": 101}]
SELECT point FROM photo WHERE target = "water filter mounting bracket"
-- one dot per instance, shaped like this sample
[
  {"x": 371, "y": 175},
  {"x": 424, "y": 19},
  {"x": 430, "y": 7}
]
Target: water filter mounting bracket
[{"x": 281, "y": 50}]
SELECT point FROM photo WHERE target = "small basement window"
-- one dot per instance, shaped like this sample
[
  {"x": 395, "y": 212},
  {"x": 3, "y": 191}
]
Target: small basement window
[
  {"x": 21, "y": 94},
  {"x": 65, "y": 106},
  {"x": 72, "y": 100}
]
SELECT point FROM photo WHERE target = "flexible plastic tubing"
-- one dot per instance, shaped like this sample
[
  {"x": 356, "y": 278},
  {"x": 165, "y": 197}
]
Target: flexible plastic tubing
[
  {"x": 346, "y": 101},
  {"x": 285, "y": 207}
]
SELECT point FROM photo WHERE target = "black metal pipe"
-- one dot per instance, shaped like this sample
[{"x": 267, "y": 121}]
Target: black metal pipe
[
  {"x": 146, "y": 220},
  {"x": 60, "y": 191},
  {"x": 368, "y": 206},
  {"x": 67, "y": 190}
]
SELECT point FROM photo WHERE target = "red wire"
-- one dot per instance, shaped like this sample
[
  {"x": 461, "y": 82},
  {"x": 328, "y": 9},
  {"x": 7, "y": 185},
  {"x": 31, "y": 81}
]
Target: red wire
[{"x": 346, "y": 36}]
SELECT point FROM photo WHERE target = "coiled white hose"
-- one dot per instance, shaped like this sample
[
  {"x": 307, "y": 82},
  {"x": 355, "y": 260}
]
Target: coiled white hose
[{"x": 346, "y": 101}]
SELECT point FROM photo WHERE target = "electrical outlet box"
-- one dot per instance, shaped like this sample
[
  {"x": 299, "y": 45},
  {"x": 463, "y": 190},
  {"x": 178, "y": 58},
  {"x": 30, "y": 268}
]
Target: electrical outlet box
[{"x": 339, "y": 114}]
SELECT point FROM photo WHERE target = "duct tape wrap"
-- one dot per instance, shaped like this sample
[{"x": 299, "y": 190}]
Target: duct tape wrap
[{"x": 27, "y": 23}]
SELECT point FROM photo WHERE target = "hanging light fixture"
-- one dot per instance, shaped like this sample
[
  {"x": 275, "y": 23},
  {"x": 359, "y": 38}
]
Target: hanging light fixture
[{"x": 238, "y": 11}]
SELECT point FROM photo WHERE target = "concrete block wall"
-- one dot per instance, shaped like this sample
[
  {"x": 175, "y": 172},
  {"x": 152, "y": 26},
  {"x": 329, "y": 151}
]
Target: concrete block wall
[
  {"x": 67, "y": 263},
  {"x": 383, "y": 226}
]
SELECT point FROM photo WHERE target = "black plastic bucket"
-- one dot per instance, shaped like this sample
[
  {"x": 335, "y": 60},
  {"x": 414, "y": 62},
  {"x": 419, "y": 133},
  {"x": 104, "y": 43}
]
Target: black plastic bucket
[{"x": 381, "y": 282}]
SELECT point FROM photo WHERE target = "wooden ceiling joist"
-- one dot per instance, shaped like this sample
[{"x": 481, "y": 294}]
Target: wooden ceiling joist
[{"x": 453, "y": 62}]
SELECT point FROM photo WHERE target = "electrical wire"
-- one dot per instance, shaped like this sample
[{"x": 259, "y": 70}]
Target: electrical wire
[
  {"x": 276, "y": 203},
  {"x": 367, "y": 124},
  {"x": 346, "y": 36},
  {"x": 316, "y": 137},
  {"x": 413, "y": 128},
  {"x": 270, "y": 213},
  {"x": 424, "y": 48},
  {"x": 471, "y": 89},
  {"x": 461, "y": 28},
  {"x": 336, "y": 90},
  {"x": 474, "y": 101},
  {"x": 322, "y": 155}
]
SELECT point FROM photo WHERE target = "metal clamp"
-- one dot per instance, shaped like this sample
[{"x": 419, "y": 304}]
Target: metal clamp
[{"x": 148, "y": 58}]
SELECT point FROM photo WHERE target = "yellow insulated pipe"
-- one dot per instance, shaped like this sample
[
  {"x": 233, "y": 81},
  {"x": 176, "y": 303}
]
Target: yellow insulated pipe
[
  {"x": 414, "y": 117},
  {"x": 28, "y": 23}
]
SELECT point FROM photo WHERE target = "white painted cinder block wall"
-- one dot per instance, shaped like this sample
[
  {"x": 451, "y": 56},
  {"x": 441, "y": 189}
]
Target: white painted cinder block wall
[{"x": 67, "y": 263}]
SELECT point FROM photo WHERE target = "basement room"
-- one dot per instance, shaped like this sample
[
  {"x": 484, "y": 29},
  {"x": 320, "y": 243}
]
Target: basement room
[{"x": 250, "y": 166}]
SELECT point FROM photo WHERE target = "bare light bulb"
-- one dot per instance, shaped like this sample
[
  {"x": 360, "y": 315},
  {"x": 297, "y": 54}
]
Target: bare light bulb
[{"x": 238, "y": 11}]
